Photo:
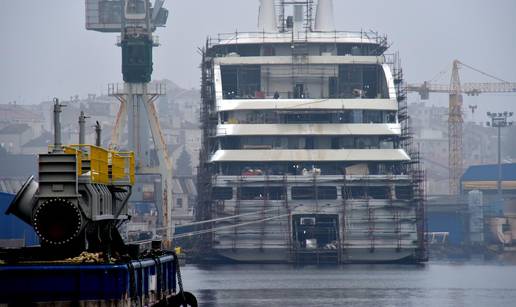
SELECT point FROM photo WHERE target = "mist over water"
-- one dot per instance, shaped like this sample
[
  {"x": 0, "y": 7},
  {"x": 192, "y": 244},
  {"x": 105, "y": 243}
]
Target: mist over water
[{"x": 434, "y": 284}]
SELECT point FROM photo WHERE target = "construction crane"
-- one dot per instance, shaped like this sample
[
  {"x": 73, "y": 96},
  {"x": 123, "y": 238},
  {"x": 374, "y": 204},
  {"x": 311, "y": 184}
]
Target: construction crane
[
  {"x": 455, "y": 115},
  {"x": 136, "y": 21}
]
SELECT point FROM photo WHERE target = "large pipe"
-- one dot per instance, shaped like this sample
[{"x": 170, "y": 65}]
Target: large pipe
[
  {"x": 324, "y": 20},
  {"x": 267, "y": 17},
  {"x": 98, "y": 135},
  {"x": 82, "y": 128},
  {"x": 58, "y": 146},
  {"x": 23, "y": 204}
]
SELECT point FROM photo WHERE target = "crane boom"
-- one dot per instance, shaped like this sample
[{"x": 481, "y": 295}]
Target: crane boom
[
  {"x": 455, "y": 115},
  {"x": 470, "y": 89}
]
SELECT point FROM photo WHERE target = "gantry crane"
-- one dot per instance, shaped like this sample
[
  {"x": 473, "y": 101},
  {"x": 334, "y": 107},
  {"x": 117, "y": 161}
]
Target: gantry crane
[
  {"x": 455, "y": 116},
  {"x": 135, "y": 21}
]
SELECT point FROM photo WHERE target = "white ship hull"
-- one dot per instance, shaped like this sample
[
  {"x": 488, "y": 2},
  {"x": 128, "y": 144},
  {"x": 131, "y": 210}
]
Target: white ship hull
[{"x": 306, "y": 149}]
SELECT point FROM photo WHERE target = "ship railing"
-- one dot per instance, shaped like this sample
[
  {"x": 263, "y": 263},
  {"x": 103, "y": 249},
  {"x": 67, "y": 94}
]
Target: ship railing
[
  {"x": 122, "y": 168},
  {"x": 154, "y": 88},
  {"x": 96, "y": 162},
  {"x": 302, "y": 36},
  {"x": 356, "y": 93},
  {"x": 300, "y": 178}
]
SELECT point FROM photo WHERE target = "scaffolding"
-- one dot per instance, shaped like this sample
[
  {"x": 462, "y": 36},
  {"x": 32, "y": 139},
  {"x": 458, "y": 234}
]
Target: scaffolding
[
  {"x": 308, "y": 12},
  {"x": 414, "y": 167},
  {"x": 236, "y": 212},
  {"x": 289, "y": 246},
  {"x": 368, "y": 217},
  {"x": 265, "y": 206},
  {"x": 204, "y": 210},
  {"x": 343, "y": 220}
]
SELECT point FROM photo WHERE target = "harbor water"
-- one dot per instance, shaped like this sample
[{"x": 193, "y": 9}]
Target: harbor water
[{"x": 433, "y": 284}]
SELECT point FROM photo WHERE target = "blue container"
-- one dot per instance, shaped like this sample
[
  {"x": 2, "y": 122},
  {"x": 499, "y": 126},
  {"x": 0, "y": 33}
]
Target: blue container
[
  {"x": 12, "y": 227},
  {"x": 452, "y": 222},
  {"x": 79, "y": 283}
]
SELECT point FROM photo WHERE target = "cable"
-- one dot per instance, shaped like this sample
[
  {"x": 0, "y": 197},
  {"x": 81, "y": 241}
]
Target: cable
[
  {"x": 217, "y": 220},
  {"x": 483, "y": 73},
  {"x": 446, "y": 69}
]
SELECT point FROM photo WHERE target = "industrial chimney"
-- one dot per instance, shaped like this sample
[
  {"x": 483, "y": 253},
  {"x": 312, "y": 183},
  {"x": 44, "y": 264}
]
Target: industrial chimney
[
  {"x": 267, "y": 16},
  {"x": 324, "y": 21}
]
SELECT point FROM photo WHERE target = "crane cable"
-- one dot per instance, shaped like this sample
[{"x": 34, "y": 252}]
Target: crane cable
[{"x": 483, "y": 73}]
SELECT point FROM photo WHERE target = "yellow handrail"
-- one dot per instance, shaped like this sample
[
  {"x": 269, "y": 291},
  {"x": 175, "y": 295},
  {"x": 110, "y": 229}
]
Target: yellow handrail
[
  {"x": 122, "y": 167},
  {"x": 100, "y": 159}
]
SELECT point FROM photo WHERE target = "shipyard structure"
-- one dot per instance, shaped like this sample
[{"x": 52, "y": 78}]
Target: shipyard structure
[{"x": 306, "y": 154}]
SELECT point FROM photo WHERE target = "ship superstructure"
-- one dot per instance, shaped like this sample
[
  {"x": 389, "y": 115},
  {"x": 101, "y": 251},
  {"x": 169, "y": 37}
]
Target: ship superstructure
[{"x": 306, "y": 144}]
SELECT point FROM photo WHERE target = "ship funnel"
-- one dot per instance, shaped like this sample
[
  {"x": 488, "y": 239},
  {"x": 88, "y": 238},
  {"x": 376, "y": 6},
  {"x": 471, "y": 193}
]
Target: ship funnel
[
  {"x": 324, "y": 21},
  {"x": 267, "y": 16},
  {"x": 23, "y": 204}
]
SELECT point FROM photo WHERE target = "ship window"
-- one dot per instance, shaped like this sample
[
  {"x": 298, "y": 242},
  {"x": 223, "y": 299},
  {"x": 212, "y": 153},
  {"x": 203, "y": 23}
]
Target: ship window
[
  {"x": 404, "y": 192},
  {"x": 269, "y": 50},
  {"x": 379, "y": 192},
  {"x": 362, "y": 81},
  {"x": 261, "y": 193},
  {"x": 372, "y": 117},
  {"x": 354, "y": 192},
  {"x": 275, "y": 193},
  {"x": 251, "y": 193},
  {"x": 371, "y": 142},
  {"x": 241, "y": 82},
  {"x": 222, "y": 193},
  {"x": 302, "y": 193},
  {"x": 326, "y": 192}
]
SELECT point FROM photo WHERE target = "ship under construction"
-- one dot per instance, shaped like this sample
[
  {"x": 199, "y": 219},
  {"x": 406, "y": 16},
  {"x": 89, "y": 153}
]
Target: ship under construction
[{"x": 306, "y": 152}]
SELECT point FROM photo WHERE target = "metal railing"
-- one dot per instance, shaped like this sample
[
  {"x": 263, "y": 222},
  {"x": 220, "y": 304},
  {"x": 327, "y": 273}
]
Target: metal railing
[
  {"x": 235, "y": 37},
  {"x": 101, "y": 165},
  {"x": 122, "y": 167},
  {"x": 153, "y": 89}
]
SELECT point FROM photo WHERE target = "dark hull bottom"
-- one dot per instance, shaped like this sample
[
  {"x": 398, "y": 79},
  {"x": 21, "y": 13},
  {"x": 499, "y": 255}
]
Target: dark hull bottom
[{"x": 251, "y": 256}]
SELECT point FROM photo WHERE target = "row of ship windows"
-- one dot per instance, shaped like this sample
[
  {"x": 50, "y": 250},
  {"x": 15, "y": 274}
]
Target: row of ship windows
[
  {"x": 347, "y": 81},
  {"x": 330, "y": 117},
  {"x": 306, "y": 168},
  {"x": 285, "y": 49},
  {"x": 311, "y": 193},
  {"x": 308, "y": 142}
]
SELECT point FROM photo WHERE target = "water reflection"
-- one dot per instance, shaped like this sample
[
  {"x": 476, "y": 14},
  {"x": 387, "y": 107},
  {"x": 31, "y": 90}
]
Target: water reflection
[{"x": 355, "y": 285}]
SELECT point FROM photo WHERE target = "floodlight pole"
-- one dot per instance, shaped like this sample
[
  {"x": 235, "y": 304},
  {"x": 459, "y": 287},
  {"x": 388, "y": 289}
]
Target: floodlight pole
[{"x": 499, "y": 120}]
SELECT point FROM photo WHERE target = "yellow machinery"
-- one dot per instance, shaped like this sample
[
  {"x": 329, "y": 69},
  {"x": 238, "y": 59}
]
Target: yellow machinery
[{"x": 81, "y": 197}]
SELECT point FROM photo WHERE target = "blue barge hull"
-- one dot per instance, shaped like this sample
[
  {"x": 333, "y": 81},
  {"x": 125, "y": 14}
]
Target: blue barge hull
[{"x": 145, "y": 281}]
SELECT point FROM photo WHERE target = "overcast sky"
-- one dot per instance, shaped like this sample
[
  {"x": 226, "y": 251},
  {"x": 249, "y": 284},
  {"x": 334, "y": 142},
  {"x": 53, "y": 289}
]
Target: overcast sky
[{"x": 46, "y": 51}]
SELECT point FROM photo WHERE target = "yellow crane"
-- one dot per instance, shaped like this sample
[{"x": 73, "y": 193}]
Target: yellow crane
[{"x": 455, "y": 115}]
